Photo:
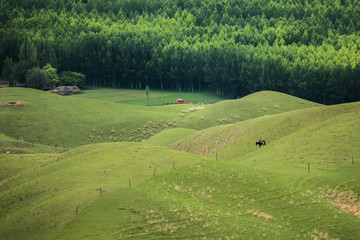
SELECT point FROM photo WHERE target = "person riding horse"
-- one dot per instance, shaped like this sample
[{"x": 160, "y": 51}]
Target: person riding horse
[{"x": 261, "y": 142}]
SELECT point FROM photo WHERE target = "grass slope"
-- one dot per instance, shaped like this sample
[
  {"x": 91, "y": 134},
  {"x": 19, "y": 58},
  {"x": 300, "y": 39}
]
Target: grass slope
[
  {"x": 9, "y": 144},
  {"x": 324, "y": 145},
  {"x": 39, "y": 193},
  {"x": 309, "y": 135},
  {"x": 69, "y": 121},
  {"x": 170, "y": 136},
  {"x": 273, "y": 197},
  {"x": 222, "y": 200},
  {"x": 252, "y": 106},
  {"x": 230, "y": 111},
  {"x": 49, "y": 119}
]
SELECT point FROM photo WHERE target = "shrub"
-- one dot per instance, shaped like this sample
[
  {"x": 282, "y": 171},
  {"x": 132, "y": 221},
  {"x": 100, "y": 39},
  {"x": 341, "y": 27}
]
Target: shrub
[
  {"x": 72, "y": 79},
  {"x": 36, "y": 78},
  {"x": 20, "y": 71},
  {"x": 224, "y": 120}
]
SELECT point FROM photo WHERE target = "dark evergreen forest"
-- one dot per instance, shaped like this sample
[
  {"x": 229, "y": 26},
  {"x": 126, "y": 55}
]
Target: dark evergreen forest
[{"x": 307, "y": 48}]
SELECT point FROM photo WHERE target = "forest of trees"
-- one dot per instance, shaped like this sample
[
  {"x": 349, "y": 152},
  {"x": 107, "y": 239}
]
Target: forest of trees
[{"x": 307, "y": 48}]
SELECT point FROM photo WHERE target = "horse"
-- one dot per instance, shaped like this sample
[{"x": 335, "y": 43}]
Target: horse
[{"x": 261, "y": 143}]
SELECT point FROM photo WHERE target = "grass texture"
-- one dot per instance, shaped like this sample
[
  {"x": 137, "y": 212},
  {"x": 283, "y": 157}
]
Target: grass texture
[
  {"x": 131, "y": 171},
  {"x": 221, "y": 200},
  {"x": 156, "y": 97},
  {"x": 41, "y": 192}
]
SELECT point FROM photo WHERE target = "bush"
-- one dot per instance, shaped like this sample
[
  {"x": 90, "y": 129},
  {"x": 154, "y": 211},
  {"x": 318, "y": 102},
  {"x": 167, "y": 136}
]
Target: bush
[
  {"x": 37, "y": 78},
  {"x": 21, "y": 69},
  {"x": 68, "y": 78},
  {"x": 52, "y": 75}
]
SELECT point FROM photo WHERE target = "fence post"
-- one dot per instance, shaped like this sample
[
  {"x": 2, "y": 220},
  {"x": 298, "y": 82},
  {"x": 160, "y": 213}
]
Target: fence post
[
  {"x": 129, "y": 182},
  {"x": 154, "y": 172},
  {"x": 308, "y": 167}
]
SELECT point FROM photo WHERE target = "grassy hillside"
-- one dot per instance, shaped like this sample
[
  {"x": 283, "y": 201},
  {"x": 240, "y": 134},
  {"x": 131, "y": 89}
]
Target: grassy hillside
[
  {"x": 219, "y": 200},
  {"x": 49, "y": 119},
  {"x": 9, "y": 144},
  {"x": 40, "y": 192},
  {"x": 69, "y": 122},
  {"x": 309, "y": 135},
  {"x": 255, "y": 105},
  {"x": 324, "y": 145},
  {"x": 170, "y": 136},
  {"x": 248, "y": 193}
]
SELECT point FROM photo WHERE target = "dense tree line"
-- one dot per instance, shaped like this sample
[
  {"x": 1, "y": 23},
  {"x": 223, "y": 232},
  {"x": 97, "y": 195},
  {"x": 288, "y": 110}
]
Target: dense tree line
[{"x": 306, "y": 48}]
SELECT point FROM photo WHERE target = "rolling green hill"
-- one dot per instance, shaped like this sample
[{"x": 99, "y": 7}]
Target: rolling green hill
[
  {"x": 314, "y": 135},
  {"x": 129, "y": 190},
  {"x": 20, "y": 146},
  {"x": 222, "y": 200},
  {"x": 170, "y": 136},
  {"x": 41, "y": 192},
  {"x": 50, "y": 119},
  {"x": 255, "y": 105},
  {"x": 327, "y": 144},
  {"x": 69, "y": 122}
]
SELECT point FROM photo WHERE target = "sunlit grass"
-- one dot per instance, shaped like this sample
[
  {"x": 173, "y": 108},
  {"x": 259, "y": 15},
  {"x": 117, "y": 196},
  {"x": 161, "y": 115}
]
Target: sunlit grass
[
  {"x": 110, "y": 190},
  {"x": 42, "y": 192},
  {"x": 219, "y": 200},
  {"x": 156, "y": 97}
]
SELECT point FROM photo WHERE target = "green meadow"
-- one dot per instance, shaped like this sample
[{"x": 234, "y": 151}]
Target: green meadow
[
  {"x": 156, "y": 97},
  {"x": 105, "y": 165}
]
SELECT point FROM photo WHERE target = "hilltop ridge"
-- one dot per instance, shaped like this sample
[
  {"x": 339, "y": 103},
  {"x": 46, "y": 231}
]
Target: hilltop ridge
[{"x": 251, "y": 106}]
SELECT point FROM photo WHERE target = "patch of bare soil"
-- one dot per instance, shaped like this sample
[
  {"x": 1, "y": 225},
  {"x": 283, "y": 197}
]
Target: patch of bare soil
[
  {"x": 346, "y": 201},
  {"x": 12, "y": 103},
  {"x": 260, "y": 214}
]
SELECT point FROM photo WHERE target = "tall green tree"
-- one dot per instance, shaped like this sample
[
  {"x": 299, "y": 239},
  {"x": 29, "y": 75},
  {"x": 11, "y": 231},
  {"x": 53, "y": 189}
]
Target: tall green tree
[
  {"x": 53, "y": 77},
  {"x": 8, "y": 72}
]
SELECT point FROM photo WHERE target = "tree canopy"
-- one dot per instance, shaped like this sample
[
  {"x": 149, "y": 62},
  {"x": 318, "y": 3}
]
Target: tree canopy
[{"x": 306, "y": 48}]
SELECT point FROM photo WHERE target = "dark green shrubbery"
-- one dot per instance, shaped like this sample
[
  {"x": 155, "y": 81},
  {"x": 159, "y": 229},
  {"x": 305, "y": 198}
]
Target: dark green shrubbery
[
  {"x": 37, "y": 78},
  {"x": 72, "y": 79}
]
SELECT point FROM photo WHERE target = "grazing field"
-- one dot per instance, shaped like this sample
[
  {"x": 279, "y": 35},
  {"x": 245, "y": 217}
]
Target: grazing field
[
  {"x": 47, "y": 118},
  {"x": 170, "y": 136},
  {"x": 252, "y": 106},
  {"x": 41, "y": 192},
  {"x": 322, "y": 136},
  {"x": 156, "y": 97},
  {"x": 87, "y": 167},
  {"x": 221, "y": 200}
]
